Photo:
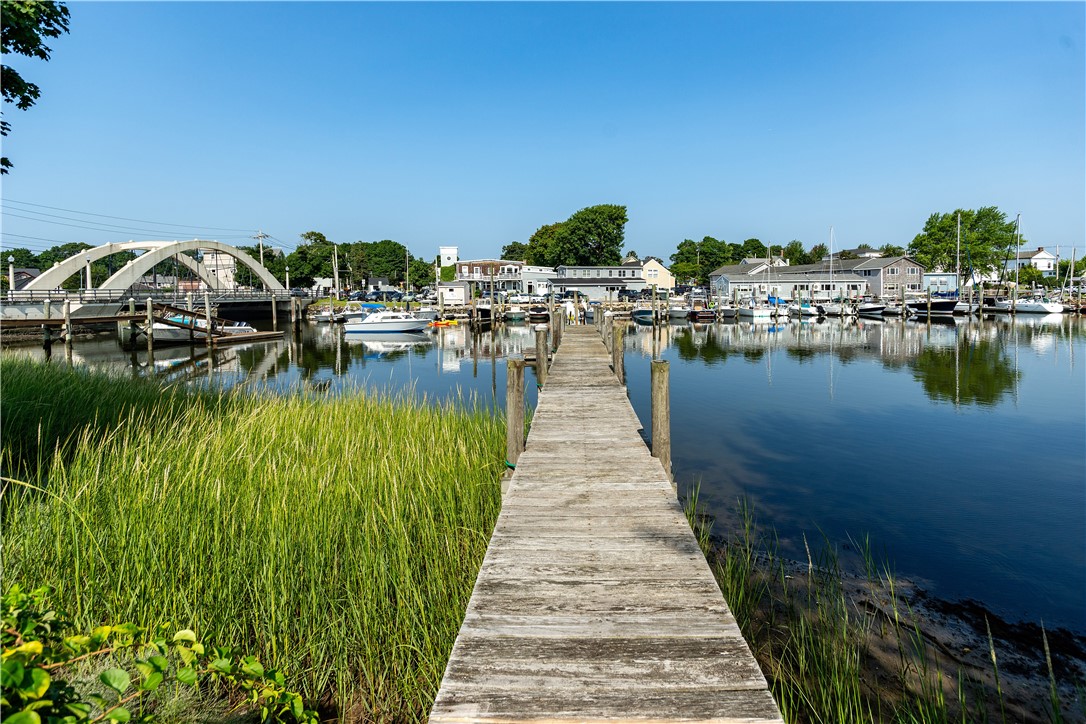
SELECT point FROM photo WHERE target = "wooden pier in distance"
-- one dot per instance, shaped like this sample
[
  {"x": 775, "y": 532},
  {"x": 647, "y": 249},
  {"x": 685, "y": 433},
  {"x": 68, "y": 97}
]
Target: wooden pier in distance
[{"x": 594, "y": 602}]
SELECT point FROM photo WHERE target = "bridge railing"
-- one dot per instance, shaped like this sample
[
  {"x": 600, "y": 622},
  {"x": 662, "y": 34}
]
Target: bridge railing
[{"x": 105, "y": 296}]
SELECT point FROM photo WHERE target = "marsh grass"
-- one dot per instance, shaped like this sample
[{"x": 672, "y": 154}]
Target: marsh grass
[
  {"x": 335, "y": 538},
  {"x": 834, "y": 651}
]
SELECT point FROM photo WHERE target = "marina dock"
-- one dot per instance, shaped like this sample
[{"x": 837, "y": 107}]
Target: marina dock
[{"x": 594, "y": 601}]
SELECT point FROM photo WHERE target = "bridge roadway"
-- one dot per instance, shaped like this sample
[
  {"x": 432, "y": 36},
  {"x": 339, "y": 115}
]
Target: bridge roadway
[{"x": 594, "y": 602}]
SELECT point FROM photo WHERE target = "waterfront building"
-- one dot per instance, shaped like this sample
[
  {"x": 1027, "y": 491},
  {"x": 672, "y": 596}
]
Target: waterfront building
[
  {"x": 654, "y": 272},
  {"x": 1042, "y": 260},
  {"x": 505, "y": 275},
  {"x": 599, "y": 283},
  {"x": 886, "y": 277}
]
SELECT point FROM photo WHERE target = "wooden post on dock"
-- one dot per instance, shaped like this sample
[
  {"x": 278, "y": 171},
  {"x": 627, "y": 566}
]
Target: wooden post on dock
[
  {"x": 293, "y": 312},
  {"x": 150, "y": 331},
  {"x": 661, "y": 415},
  {"x": 558, "y": 319},
  {"x": 514, "y": 409},
  {"x": 929, "y": 303},
  {"x": 207, "y": 316},
  {"x": 67, "y": 322},
  {"x": 541, "y": 353},
  {"x": 275, "y": 311},
  {"x": 617, "y": 357}
]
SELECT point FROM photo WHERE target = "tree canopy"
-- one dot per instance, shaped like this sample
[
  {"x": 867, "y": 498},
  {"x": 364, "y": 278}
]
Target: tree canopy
[
  {"x": 988, "y": 239},
  {"x": 24, "y": 24},
  {"x": 515, "y": 251},
  {"x": 697, "y": 259},
  {"x": 591, "y": 236}
]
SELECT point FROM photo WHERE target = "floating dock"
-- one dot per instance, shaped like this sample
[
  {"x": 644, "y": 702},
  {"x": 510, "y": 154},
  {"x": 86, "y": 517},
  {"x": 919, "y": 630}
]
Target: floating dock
[{"x": 594, "y": 602}]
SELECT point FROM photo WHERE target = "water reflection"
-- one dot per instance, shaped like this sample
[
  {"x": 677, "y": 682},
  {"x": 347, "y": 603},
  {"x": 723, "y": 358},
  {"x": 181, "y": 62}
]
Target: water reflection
[{"x": 957, "y": 446}]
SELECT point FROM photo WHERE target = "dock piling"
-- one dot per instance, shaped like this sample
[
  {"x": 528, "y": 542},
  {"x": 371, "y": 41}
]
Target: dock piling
[
  {"x": 207, "y": 316},
  {"x": 661, "y": 415},
  {"x": 67, "y": 322},
  {"x": 542, "y": 353},
  {"x": 150, "y": 331},
  {"x": 514, "y": 410},
  {"x": 617, "y": 357}
]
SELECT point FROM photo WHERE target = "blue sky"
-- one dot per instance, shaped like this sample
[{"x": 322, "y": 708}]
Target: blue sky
[{"x": 475, "y": 123}]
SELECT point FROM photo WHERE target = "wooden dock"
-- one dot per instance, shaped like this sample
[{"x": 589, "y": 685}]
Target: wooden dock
[{"x": 594, "y": 602}]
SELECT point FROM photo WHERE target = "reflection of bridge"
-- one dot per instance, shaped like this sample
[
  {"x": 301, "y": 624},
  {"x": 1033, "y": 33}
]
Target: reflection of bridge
[{"x": 29, "y": 302}]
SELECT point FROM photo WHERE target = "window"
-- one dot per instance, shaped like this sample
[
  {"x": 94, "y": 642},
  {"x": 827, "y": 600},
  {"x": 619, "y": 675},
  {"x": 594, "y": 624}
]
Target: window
[
  {"x": 464, "y": 269},
  {"x": 912, "y": 271},
  {"x": 654, "y": 273},
  {"x": 476, "y": 271},
  {"x": 597, "y": 273},
  {"x": 892, "y": 270}
]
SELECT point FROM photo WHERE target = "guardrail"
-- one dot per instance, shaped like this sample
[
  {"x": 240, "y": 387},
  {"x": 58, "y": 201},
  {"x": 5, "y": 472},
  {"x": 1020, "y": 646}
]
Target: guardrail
[{"x": 106, "y": 296}]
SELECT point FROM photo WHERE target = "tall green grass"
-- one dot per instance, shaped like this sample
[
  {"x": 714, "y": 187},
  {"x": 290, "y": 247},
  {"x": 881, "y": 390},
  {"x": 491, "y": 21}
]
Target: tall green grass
[
  {"x": 336, "y": 538},
  {"x": 814, "y": 641}
]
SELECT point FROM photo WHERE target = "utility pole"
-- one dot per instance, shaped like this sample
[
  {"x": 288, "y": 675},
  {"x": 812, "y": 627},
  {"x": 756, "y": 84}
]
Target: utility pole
[{"x": 260, "y": 237}]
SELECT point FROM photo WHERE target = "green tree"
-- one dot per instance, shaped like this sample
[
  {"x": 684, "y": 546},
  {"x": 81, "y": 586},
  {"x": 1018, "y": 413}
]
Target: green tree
[
  {"x": 754, "y": 249},
  {"x": 388, "y": 259},
  {"x": 24, "y": 24},
  {"x": 987, "y": 240},
  {"x": 422, "y": 273},
  {"x": 591, "y": 236},
  {"x": 515, "y": 251},
  {"x": 891, "y": 250},
  {"x": 540, "y": 243},
  {"x": 795, "y": 253},
  {"x": 697, "y": 259},
  {"x": 818, "y": 253}
]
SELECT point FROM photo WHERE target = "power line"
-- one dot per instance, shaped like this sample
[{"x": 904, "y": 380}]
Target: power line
[
  {"x": 124, "y": 218},
  {"x": 170, "y": 233}
]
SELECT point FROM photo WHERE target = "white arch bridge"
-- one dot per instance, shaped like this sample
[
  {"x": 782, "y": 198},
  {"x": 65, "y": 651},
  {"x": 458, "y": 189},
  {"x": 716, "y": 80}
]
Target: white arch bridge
[{"x": 154, "y": 252}]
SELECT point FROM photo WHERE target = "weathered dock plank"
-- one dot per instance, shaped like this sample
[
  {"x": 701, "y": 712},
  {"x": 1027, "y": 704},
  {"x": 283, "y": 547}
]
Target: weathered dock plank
[{"x": 594, "y": 602}]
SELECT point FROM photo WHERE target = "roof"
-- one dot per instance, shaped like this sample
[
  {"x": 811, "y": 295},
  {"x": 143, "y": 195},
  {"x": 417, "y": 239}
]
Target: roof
[
  {"x": 593, "y": 282},
  {"x": 736, "y": 269},
  {"x": 1040, "y": 251}
]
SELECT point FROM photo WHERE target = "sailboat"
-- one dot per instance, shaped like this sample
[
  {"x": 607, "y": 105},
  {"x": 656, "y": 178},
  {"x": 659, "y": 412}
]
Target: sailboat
[{"x": 834, "y": 308}]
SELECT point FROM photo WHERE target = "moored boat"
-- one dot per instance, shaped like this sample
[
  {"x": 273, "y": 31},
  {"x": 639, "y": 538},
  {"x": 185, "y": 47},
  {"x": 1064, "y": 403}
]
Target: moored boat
[
  {"x": 515, "y": 314},
  {"x": 387, "y": 321},
  {"x": 939, "y": 307},
  {"x": 870, "y": 309},
  {"x": 1028, "y": 306}
]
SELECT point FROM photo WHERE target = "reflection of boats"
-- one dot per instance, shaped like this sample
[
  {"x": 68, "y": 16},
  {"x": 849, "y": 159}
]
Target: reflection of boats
[
  {"x": 703, "y": 315},
  {"x": 515, "y": 314},
  {"x": 642, "y": 314},
  {"x": 870, "y": 309},
  {"x": 387, "y": 321},
  {"x": 386, "y": 342}
]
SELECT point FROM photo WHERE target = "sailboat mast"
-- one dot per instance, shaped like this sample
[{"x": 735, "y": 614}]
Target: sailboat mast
[
  {"x": 958, "y": 259},
  {"x": 1017, "y": 264}
]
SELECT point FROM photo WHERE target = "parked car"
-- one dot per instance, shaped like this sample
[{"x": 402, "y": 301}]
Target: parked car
[
  {"x": 356, "y": 296},
  {"x": 299, "y": 292},
  {"x": 628, "y": 295}
]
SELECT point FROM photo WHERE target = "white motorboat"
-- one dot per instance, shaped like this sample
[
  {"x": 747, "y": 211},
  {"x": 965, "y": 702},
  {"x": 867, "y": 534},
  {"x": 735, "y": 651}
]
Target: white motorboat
[
  {"x": 387, "y": 320},
  {"x": 1028, "y": 306},
  {"x": 515, "y": 313},
  {"x": 870, "y": 309},
  {"x": 803, "y": 309},
  {"x": 678, "y": 311}
]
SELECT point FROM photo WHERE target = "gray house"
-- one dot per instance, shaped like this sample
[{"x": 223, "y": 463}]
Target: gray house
[{"x": 883, "y": 277}]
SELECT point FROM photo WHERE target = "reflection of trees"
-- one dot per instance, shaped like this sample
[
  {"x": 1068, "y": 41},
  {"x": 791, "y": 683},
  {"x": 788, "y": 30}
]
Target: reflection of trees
[
  {"x": 981, "y": 374},
  {"x": 705, "y": 348}
]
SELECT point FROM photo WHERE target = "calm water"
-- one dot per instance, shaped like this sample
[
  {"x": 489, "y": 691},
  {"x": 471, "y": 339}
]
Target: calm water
[{"x": 960, "y": 450}]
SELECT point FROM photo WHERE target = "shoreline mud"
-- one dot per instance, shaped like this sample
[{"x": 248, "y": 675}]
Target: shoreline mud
[{"x": 912, "y": 642}]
